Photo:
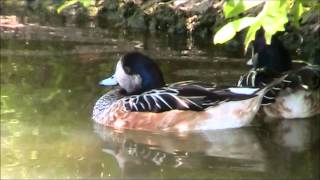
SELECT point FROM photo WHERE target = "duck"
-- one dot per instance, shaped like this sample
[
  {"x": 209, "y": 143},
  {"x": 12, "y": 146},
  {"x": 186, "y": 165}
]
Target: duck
[
  {"x": 298, "y": 95},
  {"x": 141, "y": 100}
]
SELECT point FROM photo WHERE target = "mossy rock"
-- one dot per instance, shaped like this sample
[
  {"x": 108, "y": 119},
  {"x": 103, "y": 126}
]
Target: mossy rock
[
  {"x": 304, "y": 40},
  {"x": 180, "y": 25},
  {"x": 128, "y": 9},
  {"x": 82, "y": 19},
  {"x": 205, "y": 24},
  {"x": 108, "y": 18},
  {"x": 137, "y": 20},
  {"x": 166, "y": 19},
  {"x": 111, "y": 5},
  {"x": 311, "y": 48}
]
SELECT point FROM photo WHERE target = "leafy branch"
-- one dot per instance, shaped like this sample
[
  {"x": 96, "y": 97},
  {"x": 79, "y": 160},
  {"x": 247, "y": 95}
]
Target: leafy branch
[
  {"x": 67, "y": 3},
  {"x": 272, "y": 17}
]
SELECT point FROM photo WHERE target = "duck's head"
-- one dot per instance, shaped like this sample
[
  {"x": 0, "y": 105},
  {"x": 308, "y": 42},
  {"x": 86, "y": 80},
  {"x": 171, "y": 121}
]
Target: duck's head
[
  {"x": 274, "y": 57},
  {"x": 135, "y": 73}
]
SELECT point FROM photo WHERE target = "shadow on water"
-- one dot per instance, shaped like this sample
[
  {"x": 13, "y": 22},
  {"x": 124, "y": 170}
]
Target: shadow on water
[{"x": 49, "y": 79}]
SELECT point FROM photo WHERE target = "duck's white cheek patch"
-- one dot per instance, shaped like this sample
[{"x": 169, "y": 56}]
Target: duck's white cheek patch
[{"x": 130, "y": 83}]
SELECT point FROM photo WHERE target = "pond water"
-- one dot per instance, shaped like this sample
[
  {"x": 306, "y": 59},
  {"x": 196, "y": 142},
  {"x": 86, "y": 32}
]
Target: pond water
[{"x": 49, "y": 84}]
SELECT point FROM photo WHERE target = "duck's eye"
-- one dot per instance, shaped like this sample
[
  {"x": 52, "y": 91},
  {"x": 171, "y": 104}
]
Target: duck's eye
[{"x": 127, "y": 70}]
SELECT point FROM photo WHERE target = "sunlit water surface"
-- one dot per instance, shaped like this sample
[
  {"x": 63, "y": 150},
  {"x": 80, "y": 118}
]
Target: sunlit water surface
[{"x": 49, "y": 84}]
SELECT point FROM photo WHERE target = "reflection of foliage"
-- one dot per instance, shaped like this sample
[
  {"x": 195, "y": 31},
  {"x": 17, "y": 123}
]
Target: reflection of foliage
[
  {"x": 45, "y": 115},
  {"x": 273, "y": 16},
  {"x": 89, "y": 4},
  {"x": 85, "y": 3}
]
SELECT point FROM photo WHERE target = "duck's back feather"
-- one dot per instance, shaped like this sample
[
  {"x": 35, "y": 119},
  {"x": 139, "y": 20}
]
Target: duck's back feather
[{"x": 182, "y": 96}]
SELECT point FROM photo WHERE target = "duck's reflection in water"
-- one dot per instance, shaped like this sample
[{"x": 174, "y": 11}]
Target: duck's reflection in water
[
  {"x": 235, "y": 149},
  {"x": 295, "y": 135}
]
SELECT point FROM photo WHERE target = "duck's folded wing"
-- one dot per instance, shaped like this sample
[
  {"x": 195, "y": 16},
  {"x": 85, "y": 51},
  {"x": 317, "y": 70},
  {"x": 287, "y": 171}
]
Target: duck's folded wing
[
  {"x": 257, "y": 78},
  {"x": 193, "y": 98},
  {"x": 261, "y": 78},
  {"x": 307, "y": 77}
]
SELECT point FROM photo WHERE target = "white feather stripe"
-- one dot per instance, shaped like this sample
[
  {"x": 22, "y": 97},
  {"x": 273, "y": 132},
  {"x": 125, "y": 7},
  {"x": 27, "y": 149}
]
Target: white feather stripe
[
  {"x": 135, "y": 107},
  {"x": 305, "y": 86},
  {"x": 287, "y": 81},
  {"x": 180, "y": 101},
  {"x": 147, "y": 101},
  {"x": 156, "y": 101},
  {"x": 136, "y": 99},
  {"x": 162, "y": 100},
  {"x": 253, "y": 78},
  {"x": 130, "y": 103},
  {"x": 143, "y": 107},
  {"x": 267, "y": 97},
  {"x": 193, "y": 97},
  {"x": 210, "y": 103},
  {"x": 266, "y": 104},
  {"x": 240, "y": 81},
  {"x": 247, "y": 91},
  {"x": 174, "y": 91},
  {"x": 193, "y": 103},
  {"x": 247, "y": 80},
  {"x": 250, "y": 78}
]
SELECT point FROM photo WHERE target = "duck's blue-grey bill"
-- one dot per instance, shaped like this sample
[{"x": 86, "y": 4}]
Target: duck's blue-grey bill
[{"x": 111, "y": 81}]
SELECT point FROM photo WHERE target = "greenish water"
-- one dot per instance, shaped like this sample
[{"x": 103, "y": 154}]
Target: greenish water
[{"x": 49, "y": 83}]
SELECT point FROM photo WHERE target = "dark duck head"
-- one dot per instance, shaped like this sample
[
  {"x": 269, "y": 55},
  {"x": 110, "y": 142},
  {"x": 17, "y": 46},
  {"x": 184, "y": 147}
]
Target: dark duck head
[
  {"x": 135, "y": 73},
  {"x": 274, "y": 57}
]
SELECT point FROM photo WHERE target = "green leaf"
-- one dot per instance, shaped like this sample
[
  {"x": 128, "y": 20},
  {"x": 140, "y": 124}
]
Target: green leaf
[
  {"x": 296, "y": 12},
  {"x": 233, "y": 8},
  {"x": 271, "y": 29},
  {"x": 273, "y": 17},
  {"x": 66, "y": 4},
  {"x": 228, "y": 31},
  {"x": 87, "y": 3},
  {"x": 251, "y": 34},
  {"x": 309, "y": 12}
]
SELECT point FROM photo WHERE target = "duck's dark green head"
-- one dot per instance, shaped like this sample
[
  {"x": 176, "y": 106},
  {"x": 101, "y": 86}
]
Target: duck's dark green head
[
  {"x": 274, "y": 57},
  {"x": 136, "y": 73}
]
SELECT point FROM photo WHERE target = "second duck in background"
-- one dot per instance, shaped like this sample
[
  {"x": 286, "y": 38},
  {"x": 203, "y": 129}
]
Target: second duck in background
[{"x": 298, "y": 96}]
